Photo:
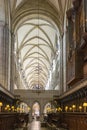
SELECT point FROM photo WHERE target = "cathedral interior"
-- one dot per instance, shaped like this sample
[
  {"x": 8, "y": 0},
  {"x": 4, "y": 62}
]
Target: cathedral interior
[{"x": 43, "y": 64}]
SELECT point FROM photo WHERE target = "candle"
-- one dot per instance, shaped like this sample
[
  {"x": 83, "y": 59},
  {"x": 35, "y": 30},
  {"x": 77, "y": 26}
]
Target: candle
[
  {"x": 73, "y": 106},
  {"x": 84, "y": 105},
  {"x": 80, "y": 108},
  {"x": 66, "y": 108},
  {"x": 1, "y": 104}
]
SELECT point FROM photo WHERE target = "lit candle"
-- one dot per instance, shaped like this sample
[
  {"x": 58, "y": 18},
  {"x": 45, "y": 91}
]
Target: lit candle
[
  {"x": 1, "y": 104},
  {"x": 73, "y": 106},
  {"x": 18, "y": 109},
  {"x": 59, "y": 109},
  {"x": 7, "y": 106},
  {"x": 66, "y": 108},
  {"x": 80, "y": 108},
  {"x": 70, "y": 108},
  {"x": 84, "y": 105},
  {"x": 12, "y": 108}
]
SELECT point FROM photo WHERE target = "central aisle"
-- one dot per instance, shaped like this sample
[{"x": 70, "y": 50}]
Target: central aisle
[{"x": 35, "y": 125}]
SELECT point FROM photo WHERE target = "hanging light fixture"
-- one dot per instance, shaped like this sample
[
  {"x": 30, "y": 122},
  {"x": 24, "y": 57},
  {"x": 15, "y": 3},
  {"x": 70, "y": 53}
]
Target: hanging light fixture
[
  {"x": 39, "y": 68},
  {"x": 38, "y": 85}
]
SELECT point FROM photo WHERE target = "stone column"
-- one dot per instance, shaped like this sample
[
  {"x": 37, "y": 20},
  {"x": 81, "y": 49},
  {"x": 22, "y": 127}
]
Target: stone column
[
  {"x": 61, "y": 64},
  {"x": 12, "y": 63},
  {"x": 2, "y": 51},
  {"x": 5, "y": 39},
  {"x": 2, "y": 11},
  {"x": 2, "y": 58},
  {"x": 4, "y": 54},
  {"x": 65, "y": 43}
]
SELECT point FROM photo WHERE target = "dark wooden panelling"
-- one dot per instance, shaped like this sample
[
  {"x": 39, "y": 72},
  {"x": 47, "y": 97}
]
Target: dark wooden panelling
[
  {"x": 10, "y": 121},
  {"x": 75, "y": 121}
]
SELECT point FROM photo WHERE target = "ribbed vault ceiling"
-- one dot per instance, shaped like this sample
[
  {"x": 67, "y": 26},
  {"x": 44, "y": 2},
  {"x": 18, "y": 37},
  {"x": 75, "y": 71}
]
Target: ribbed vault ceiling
[
  {"x": 35, "y": 48},
  {"x": 36, "y": 41}
]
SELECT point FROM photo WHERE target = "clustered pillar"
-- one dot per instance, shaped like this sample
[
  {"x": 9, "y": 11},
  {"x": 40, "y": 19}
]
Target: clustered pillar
[{"x": 5, "y": 41}]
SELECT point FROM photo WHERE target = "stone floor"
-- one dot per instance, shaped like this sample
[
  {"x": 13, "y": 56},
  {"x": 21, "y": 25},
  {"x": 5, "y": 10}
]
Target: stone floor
[{"x": 34, "y": 125}]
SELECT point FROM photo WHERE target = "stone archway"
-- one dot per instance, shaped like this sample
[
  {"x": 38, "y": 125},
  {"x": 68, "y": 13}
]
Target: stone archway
[
  {"x": 35, "y": 110},
  {"x": 47, "y": 105},
  {"x": 30, "y": 97}
]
